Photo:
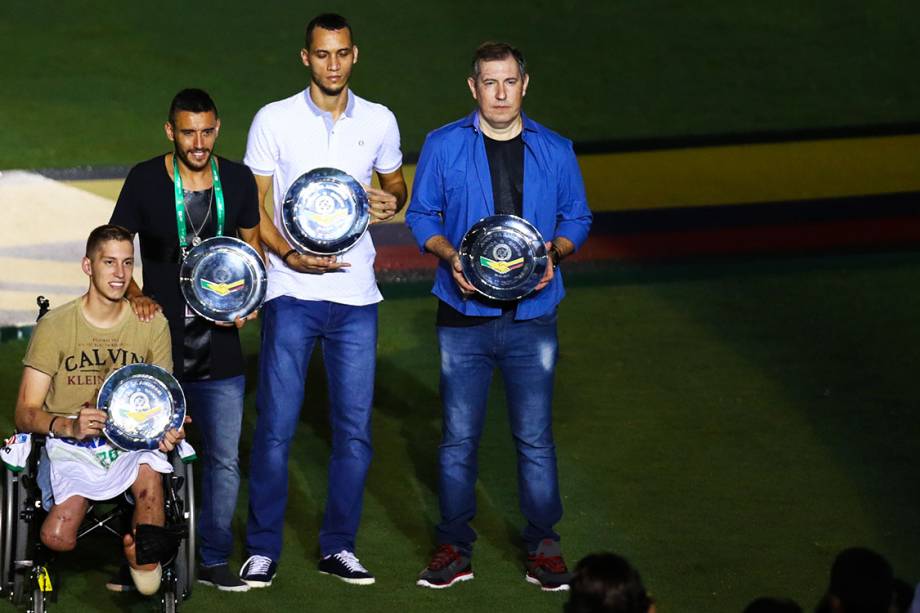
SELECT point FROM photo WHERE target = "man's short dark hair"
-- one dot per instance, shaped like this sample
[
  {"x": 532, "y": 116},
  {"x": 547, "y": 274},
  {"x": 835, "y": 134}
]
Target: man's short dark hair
[
  {"x": 193, "y": 100},
  {"x": 862, "y": 580},
  {"x": 326, "y": 21},
  {"x": 490, "y": 51},
  {"x": 606, "y": 583},
  {"x": 104, "y": 234}
]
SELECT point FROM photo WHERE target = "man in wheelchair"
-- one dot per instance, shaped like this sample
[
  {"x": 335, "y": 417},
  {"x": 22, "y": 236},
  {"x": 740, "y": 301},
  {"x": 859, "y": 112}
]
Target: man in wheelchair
[{"x": 73, "y": 349}]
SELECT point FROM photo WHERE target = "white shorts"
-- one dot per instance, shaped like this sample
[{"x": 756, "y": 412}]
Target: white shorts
[{"x": 96, "y": 470}]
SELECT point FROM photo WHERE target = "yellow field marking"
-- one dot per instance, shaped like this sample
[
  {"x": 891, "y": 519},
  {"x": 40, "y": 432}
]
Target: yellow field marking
[{"x": 752, "y": 173}]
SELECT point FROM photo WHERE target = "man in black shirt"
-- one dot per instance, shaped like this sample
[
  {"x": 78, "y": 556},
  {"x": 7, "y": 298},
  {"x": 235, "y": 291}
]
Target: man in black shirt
[
  {"x": 207, "y": 357},
  {"x": 497, "y": 161},
  {"x": 506, "y": 169}
]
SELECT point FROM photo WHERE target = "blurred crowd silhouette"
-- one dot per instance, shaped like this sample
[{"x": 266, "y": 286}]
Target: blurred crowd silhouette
[{"x": 861, "y": 581}]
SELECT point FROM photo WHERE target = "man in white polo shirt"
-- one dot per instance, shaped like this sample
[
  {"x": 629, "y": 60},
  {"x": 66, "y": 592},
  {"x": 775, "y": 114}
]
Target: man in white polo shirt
[{"x": 327, "y": 298}]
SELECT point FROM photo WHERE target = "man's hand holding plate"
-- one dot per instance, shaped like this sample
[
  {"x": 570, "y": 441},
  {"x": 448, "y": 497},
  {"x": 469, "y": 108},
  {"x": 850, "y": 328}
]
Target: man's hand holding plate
[
  {"x": 456, "y": 270},
  {"x": 173, "y": 437},
  {"x": 88, "y": 424},
  {"x": 548, "y": 274},
  {"x": 382, "y": 204},
  {"x": 314, "y": 264}
]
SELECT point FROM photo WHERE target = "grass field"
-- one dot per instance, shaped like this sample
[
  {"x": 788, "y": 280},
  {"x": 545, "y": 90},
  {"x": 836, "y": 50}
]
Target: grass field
[
  {"x": 729, "y": 426},
  {"x": 89, "y": 81}
]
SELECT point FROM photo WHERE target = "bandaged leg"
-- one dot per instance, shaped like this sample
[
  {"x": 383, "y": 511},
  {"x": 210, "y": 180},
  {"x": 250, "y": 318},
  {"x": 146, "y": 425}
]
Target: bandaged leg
[
  {"x": 148, "y": 509},
  {"x": 154, "y": 544},
  {"x": 146, "y": 576},
  {"x": 147, "y": 582}
]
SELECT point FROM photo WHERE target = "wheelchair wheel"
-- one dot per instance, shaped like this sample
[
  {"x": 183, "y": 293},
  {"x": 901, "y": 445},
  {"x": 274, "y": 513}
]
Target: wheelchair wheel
[
  {"x": 23, "y": 511},
  {"x": 38, "y": 601},
  {"x": 170, "y": 597},
  {"x": 182, "y": 503},
  {"x": 12, "y": 543},
  {"x": 7, "y": 522}
]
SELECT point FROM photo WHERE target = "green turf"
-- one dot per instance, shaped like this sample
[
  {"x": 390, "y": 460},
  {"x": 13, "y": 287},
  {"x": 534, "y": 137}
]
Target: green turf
[
  {"x": 729, "y": 426},
  {"x": 89, "y": 81}
]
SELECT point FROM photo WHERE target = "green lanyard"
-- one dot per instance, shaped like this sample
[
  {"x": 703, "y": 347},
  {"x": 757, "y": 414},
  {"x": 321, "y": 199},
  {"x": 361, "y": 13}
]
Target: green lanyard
[{"x": 180, "y": 201}]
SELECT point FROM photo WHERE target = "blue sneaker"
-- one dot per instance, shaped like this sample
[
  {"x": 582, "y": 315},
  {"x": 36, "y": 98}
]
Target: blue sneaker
[{"x": 258, "y": 571}]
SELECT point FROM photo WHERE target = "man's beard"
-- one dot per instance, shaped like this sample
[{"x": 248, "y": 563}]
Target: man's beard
[
  {"x": 188, "y": 162},
  {"x": 328, "y": 90}
]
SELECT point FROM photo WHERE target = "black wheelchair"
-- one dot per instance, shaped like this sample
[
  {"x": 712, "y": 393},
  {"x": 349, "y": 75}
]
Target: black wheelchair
[
  {"x": 25, "y": 564},
  {"x": 26, "y": 575}
]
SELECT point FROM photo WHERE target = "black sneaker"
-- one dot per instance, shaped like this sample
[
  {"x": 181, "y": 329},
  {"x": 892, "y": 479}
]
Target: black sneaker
[
  {"x": 546, "y": 568},
  {"x": 258, "y": 571},
  {"x": 345, "y": 566},
  {"x": 121, "y": 581},
  {"x": 447, "y": 567},
  {"x": 220, "y": 577}
]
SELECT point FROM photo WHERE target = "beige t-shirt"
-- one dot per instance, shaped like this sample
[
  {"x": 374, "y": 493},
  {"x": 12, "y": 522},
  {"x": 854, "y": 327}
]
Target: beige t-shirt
[{"x": 78, "y": 356}]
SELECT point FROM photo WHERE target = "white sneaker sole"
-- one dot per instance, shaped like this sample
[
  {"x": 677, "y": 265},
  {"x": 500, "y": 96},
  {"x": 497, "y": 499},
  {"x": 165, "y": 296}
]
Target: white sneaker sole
[
  {"x": 256, "y": 584},
  {"x": 534, "y": 581},
  {"x": 435, "y": 586},
  {"x": 226, "y": 588},
  {"x": 365, "y": 581}
]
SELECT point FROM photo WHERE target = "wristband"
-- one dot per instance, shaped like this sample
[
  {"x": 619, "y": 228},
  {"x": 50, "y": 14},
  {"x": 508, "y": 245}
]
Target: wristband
[
  {"x": 51, "y": 426},
  {"x": 287, "y": 255}
]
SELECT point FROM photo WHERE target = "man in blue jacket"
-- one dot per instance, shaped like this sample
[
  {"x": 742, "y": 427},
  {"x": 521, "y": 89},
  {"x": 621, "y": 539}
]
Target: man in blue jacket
[{"x": 497, "y": 161}]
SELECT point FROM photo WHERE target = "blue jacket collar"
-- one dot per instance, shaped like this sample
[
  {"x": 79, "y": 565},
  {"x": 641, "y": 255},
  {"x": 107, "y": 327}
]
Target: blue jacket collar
[{"x": 472, "y": 121}]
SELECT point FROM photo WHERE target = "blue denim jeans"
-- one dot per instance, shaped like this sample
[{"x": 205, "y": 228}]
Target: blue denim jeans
[
  {"x": 216, "y": 409},
  {"x": 525, "y": 353},
  {"x": 290, "y": 328}
]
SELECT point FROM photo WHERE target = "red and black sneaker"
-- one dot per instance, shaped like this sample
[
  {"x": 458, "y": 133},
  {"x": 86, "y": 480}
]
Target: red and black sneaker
[
  {"x": 546, "y": 568},
  {"x": 448, "y": 566}
]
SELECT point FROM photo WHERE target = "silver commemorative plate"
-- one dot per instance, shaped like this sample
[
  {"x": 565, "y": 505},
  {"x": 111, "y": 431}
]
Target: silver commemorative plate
[
  {"x": 325, "y": 212},
  {"x": 503, "y": 257},
  {"x": 223, "y": 278},
  {"x": 143, "y": 401}
]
